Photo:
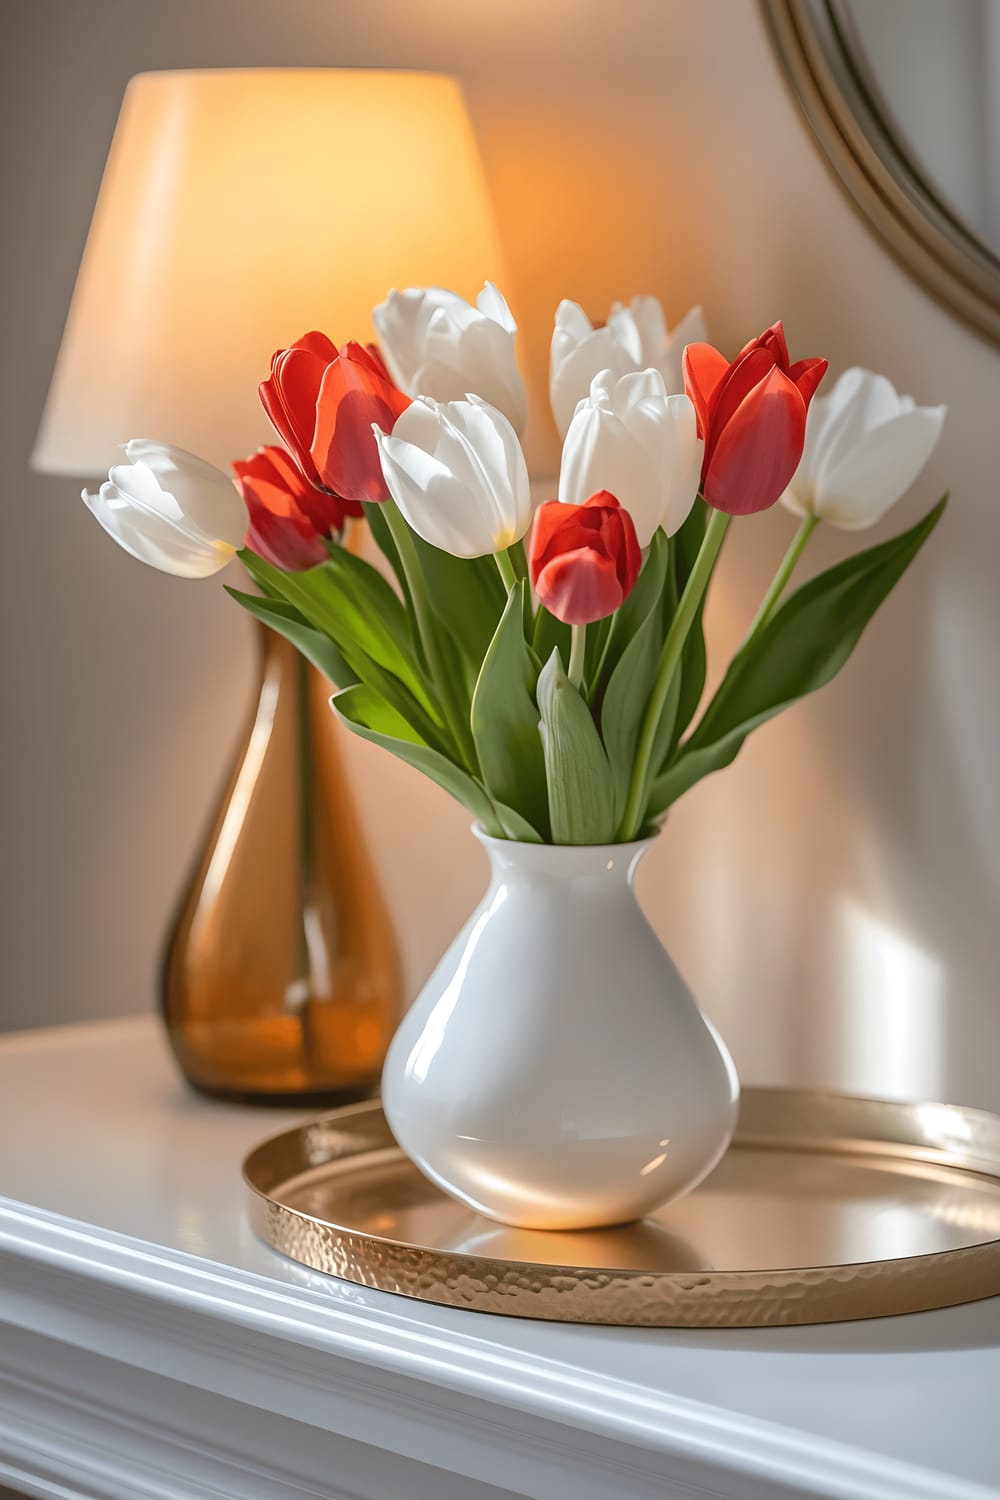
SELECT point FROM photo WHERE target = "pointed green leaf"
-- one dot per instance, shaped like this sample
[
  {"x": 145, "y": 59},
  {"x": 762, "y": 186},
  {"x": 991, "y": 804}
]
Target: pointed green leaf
[
  {"x": 352, "y": 603},
  {"x": 516, "y": 827},
  {"x": 802, "y": 647},
  {"x": 694, "y": 663},
  {"x": 581, "y": 795},
  {"x": 367, "y": 714},
  {"x": 624, "y": 705},
  {"x": 379, "y": 528},
  {"x": 646, "y": 597},
  {"x": 550, "y": 635},
  {"x": 467, "y": 596},
  {"x": 286, "y": 620},
  {"x": 687, "y": 542},
  {"x": 597, "y": 640},
  {"x": 505, "y": 720}
]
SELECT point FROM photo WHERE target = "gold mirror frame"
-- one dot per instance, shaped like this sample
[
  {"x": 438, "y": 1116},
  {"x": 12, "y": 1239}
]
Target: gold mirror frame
[{"x": 825, "y": 68}]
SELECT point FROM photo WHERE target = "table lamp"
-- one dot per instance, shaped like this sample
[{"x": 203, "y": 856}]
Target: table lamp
[{"x": 238, "y": 210}]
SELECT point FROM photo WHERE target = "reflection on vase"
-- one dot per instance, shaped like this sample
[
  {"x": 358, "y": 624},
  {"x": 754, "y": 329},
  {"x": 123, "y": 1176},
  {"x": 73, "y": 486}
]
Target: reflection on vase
[{"x": 281, "y": 981}]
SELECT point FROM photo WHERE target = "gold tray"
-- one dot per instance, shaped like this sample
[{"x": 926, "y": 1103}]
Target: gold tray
[{"x": 825, "y": 1208}]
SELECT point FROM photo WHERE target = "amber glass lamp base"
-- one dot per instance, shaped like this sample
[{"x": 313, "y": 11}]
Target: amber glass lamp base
[{"x": 281, "y": 979}]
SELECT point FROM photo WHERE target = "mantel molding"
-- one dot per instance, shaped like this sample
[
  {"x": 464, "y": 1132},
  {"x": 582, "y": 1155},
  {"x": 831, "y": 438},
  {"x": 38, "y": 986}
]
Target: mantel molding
[{"x": 359, "y": 1374}]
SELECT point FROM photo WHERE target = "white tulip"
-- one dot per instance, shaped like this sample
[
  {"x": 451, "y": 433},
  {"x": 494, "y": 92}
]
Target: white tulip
[
  {"x": 634, "y": 338},
  {"x": 435, "y": 344},
  {"x": 457, "y": 473},
  {"x": 864, "y": 447},
  {"x": 171, "y": 509},
  {"x": 632, "y": 438}
]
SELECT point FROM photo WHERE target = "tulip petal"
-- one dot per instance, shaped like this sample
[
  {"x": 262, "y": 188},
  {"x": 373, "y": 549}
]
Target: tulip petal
[
  {"x": 299, "y": 376},
  {"x": 600, "y": 453},
  {"x": 580, "y": 587},
  {"x": 574, "y": 370},
  {"x": 807, "y": 374},
  {"x": 744, "y": 375},
  {"x": 493, "y": 305},
  {"x": 773, "y": 340},
  {"x": 704, "y": 371},
  {"x": 758, "y": 450},
  {"x": 431, "y": 502},
  {"x": 624, "y": 330},
  {"x": 281, "y": 536},
  {"x": 683, "y": 463},
  {"x": 641, "y": 385},
  {"x": 203, "y": 494},
  {"x": 436, "y": 344},
  {"x": 325, "y": 511},
  {"x": 869, "y": 479},
  {"x": 513, "y": 470},
  {"x": 353, "y": 398},
  {"x": 650, "y": 326},
  {"x": 319, "y": 344},
  {"x": 289, "y": 519},
  {"x": 478, "y": 357},
  {"x": 584, "y": 559},
  {"x": 670, "y": 362},
  {"x": 859, "y": 401},
  {"x": 477, "y": 448},
  {"x": 401, "y": 322},
  {"x": 572, "y": 322},
  {"x": 156, "y": 539}
]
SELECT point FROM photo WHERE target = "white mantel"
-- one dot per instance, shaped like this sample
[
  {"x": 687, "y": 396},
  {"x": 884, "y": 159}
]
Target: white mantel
[{"x": 151, "y": 1346}]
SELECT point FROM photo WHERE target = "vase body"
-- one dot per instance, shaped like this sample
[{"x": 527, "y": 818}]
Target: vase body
[
  {"x": 556, "y": 1072},
  {"x": 281, "y": 980}
]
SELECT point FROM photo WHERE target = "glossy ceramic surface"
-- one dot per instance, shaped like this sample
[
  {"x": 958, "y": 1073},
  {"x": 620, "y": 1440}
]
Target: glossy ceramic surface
[
  {"x": 825, "y": 1208},
  {"x": 555, "y": 1072}
]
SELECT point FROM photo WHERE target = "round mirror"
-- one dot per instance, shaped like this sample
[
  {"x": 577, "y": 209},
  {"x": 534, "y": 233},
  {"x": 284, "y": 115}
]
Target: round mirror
[{"x": 904, "y": 99}]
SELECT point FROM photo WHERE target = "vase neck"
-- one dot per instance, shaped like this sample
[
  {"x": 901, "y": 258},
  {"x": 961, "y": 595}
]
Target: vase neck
[{"x": 612, "y": 864}]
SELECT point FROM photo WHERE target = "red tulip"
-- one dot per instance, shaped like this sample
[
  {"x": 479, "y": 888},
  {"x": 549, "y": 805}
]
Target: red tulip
[
  {"x": 323, "y": 402},
  {"x": 752, "y": 417},
  {"x": 585, "y": 558},
  {"x": 289, "y": 518}
]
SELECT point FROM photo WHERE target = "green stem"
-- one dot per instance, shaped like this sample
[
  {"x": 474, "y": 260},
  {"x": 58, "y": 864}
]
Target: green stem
[
  {"x": 506, "y": 569},
  {"x": 680, "y": 625},
  {"x": 770, "y": 602},
  {"x": 602, "y": 661},
  {"x": 457, "y": 722},
  {"x": 577, "y": 654}
]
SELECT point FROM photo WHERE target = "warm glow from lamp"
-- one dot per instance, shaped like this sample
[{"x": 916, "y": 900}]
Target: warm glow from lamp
[{"x": 238, "y": 210}]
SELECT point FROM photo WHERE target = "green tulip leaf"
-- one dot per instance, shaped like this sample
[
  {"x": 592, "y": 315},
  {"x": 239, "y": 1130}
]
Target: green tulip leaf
[
  {"x": 516, "y": 827},
  {"x": 379, "y": 528},
  {"x": 550, "y": 635},
  {"x": 466, "y": 596},
  {"x": 624, "y": 705},
  {"x": 367, "y": 714},
  {"x": 580, "y": 785},
  {"x": 313, "y": 644},
  {"x": 802, "y": 648},
  {"x": 628, "y": 619},
  {"x": 505, "y": 720},
  {"x": 694, "y": 662},
  {"x": 351, "y": 602}
]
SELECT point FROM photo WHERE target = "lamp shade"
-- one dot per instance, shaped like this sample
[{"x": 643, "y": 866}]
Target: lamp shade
[{"x": 238, "y": 210}]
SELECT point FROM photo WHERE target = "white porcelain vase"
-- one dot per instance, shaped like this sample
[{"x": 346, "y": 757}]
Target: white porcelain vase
[{"x": 556, "y": 1072}]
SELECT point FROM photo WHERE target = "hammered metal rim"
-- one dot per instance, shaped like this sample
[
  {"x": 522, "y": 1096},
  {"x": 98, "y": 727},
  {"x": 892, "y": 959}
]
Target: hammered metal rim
[{"x": 811, "y": 1121}]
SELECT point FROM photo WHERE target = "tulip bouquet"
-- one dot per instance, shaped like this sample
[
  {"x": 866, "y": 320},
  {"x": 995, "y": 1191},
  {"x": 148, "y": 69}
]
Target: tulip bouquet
[{"x": 544, "y": 664}]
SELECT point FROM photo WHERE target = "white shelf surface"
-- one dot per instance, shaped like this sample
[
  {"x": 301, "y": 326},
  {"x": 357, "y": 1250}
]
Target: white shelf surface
[{"x": 151, "y": 1345}]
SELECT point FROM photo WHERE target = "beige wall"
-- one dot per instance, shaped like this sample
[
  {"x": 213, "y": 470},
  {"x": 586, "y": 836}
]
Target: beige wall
[{"x": 833, "y": 897}]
